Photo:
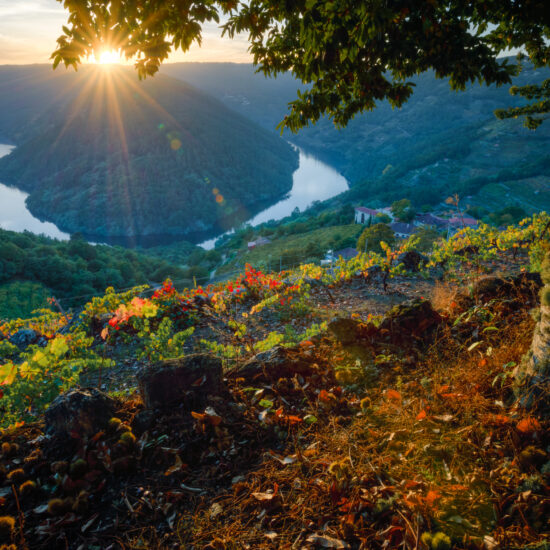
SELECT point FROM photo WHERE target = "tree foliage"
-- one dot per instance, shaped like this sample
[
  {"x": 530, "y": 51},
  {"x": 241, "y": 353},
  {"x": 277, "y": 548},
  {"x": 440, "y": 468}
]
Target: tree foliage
[
  {"x": 34, "y": 267},
  {"x": 403, "y": 210},
  {"x": 539, "y": 94},
  {"x": 372, "y": 236},
  {"x": 352, "y": 54}
]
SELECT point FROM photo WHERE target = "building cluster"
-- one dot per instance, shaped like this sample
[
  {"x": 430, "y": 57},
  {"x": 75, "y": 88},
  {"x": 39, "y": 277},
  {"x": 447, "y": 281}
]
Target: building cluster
[{"x": 367, "y": 216}]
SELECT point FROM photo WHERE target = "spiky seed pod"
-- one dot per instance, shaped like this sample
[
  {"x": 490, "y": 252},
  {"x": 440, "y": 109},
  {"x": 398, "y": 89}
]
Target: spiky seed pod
[
  {"x": 78, "y": 468},
  {"x": 60, "y": 506},
  {"x": 33, "y": 457},
  {"x": 60, "y": 467},
  {"x": 9, "y": 449},
  {"x": 68, "y": 503},
  {"x": 123, "y": 427},
  {"x": 124, "y": 465},
  {"x": 27, "y": 488},
  {"x": 56, "y": 507},
  {"x": 532, "y": 457},
  {"x": 441, "y": 541},
  {"x": 365, "y": 403},
  {"x": 16, "y": 476},
  {"x": 114, "y": 423},
  {"x": 128, "y": 439},
  {"x": 81, "y": 503},
  {"x": 7, "y": 527}
]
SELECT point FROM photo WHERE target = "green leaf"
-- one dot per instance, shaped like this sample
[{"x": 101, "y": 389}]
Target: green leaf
[
  {"x": 265, "y": 403},
  {"x": 7, "y": 374},
  {"x": 310, "y": 419},
  {"x": 59, "y": 347}
]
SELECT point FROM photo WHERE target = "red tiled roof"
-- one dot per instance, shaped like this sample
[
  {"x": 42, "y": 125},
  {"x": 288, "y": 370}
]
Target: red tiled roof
[
  {"x": 368, "y": 211},
  {"x": 459, "y": 222}
]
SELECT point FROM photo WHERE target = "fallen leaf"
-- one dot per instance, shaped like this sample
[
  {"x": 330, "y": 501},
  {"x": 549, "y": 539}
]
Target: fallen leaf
[
  {"x": 528, "y": 425},
  {"x": 178, "y": 466},
  {"x": 421, "y": 415},
  {"x": 325, "y": 541},
  {"x": 394, "y": 395}
]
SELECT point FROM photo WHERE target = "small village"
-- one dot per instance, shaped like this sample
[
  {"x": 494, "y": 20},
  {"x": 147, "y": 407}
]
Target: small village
[{"x": 401, "y": 219}]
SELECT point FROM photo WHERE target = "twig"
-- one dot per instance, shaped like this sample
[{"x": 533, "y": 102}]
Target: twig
[{"x": 20, "y": 518}]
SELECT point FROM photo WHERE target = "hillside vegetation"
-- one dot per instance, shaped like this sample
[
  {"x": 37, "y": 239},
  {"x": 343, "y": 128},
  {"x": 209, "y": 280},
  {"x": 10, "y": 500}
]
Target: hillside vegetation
[
  {"x": 34, "y": 268},
  {"x": 104, "y": 154},
  {"x": 440, "y": 142},
  {"x": 392, "y": 425}
]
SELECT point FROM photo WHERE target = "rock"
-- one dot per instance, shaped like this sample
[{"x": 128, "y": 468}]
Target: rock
[
  {"x": 345, "y": 330},
  {"x": 78, "y": 413},
  {"x": 412, "y": 260},
  {"x": 182, "y": 381},
  {"x": 143, "y": 421},
  {"x": 412, "y": 321},
  {"x": 521, "y": 286},
  {"x": 278, "y": 362},
  {"x": 26, "y": 337},
  {"x": 374, "y": 271},
  {"x": 491, "y": 287}
]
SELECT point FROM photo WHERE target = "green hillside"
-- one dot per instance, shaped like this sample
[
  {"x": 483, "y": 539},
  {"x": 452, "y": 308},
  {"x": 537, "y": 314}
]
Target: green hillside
[
  {"x": 33, "y": 268},
  {"x": 439, "y": 143},
  {"x": 106, "y": 155}
]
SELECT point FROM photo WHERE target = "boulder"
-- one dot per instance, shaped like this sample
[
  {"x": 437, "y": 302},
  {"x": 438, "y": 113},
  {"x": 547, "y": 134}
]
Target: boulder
[
  {"x": 374, "y": 272},
  {"x": 523, "y": 285},
  {"x": 345, "y": 330},
  {"x": 78, "y": 413},
  {"x": 412, "y": 260},
  {"x": 278, "y": 362},
  {"x": 25, "y": 337},
  {"x": 410, "y": 322},
  {"x": 183, "y": 381}
]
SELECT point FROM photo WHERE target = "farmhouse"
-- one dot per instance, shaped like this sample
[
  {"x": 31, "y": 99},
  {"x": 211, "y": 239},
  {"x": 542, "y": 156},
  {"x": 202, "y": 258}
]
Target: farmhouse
[
  {"x": 258, "y": 242},
  {"x": 362, "y": 214},
  {"x": 403, "y": 230}
]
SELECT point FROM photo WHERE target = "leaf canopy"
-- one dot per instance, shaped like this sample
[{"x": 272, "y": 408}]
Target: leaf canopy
[{"x": 351, "y": 54}]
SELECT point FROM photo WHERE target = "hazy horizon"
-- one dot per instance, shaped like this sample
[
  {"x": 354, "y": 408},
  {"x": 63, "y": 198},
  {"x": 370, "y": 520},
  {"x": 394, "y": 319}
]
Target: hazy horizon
[{"x": 29, "y": 29}]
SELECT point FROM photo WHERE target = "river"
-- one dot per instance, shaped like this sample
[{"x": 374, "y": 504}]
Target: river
[
  {"x": 313, "y": 180},
  {"x": 14, "y": 214}
]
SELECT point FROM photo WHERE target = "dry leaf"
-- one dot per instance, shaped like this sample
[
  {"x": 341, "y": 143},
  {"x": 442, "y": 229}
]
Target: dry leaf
[{"x": 324, "y": 541}]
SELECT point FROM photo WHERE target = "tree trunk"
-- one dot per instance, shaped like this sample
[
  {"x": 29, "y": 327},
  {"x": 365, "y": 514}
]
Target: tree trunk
[{"x": 532, "y": 376}]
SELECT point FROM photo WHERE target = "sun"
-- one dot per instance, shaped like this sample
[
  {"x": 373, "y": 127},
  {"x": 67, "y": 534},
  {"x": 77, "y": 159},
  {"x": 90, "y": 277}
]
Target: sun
[{"x": 108, "y": 57}]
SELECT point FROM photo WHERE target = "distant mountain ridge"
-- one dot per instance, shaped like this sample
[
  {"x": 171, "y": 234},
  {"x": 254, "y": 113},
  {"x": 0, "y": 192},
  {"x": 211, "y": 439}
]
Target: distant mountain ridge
[
  {"x": 106, "y": 155},
  {"x": 439, "y": 143}
]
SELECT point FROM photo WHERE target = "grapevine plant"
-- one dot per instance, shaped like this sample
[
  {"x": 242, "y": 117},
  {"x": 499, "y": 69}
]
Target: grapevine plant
[{"x": 158, "y": 323}]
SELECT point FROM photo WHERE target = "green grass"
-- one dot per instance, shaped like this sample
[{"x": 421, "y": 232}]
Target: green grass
[{"x": 269, "y": 256}]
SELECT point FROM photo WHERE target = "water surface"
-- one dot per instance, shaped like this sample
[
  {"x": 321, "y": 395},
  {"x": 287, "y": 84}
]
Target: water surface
[
  {"x": 14, "y": 214},
  {"x": 312, "y": 181}
]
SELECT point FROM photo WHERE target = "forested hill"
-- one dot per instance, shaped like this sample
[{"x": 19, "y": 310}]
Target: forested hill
[
  {"x": 440, "y": 142},
  {"x": 106, "y": 155},
  {"x": 35, "y": 267}
]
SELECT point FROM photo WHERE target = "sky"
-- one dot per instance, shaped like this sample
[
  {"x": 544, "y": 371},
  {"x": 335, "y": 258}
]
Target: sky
[{"x": 29, "y": 29}]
